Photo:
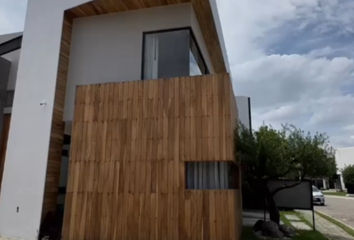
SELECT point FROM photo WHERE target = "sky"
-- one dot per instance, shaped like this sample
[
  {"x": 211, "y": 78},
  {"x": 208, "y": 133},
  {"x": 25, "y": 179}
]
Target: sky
[{"x": 294, "y": 58}]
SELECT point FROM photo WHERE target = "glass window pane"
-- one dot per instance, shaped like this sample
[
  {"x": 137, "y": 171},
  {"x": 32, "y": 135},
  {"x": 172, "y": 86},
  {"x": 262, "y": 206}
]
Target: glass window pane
[
  {"x": 197, "y": 65},
  {"x": 194, "y": 69},
  {"x": 172, "y": 54},
  {"x": 151, "y": 57},
  {"x": 166, "y": 54}
]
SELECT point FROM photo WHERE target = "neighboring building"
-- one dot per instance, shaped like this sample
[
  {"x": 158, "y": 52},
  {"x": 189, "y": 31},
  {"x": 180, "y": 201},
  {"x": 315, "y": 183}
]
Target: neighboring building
[
  {"x": 9, "y": 58},
  {"x": 244, "y": 110},
  {"x": 148, "y": 159},
  {"x": 344, "y": 156}
]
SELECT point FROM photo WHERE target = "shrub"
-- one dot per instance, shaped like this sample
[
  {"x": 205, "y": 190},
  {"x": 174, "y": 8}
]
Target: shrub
[{"x": 348, "y": 175}]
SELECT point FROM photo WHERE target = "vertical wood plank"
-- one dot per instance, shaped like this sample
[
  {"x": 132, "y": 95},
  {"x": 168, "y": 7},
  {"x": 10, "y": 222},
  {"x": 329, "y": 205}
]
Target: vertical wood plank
[
  {"x": 127, "y": 175},
  {"x": 57, "y": 125}
]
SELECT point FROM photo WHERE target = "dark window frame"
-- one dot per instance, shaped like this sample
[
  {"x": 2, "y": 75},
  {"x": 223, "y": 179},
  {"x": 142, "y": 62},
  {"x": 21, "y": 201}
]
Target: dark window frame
[
  {"x": 249, "y": 113},
  {"x": 193, "y": 38},
  {"x": 11, "y": 45}
]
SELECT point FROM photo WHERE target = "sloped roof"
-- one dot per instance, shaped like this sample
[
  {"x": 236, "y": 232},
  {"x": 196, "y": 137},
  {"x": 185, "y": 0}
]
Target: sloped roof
[
  {"x": 9, "y": 36},
  {"x": 10, "y": 42}
]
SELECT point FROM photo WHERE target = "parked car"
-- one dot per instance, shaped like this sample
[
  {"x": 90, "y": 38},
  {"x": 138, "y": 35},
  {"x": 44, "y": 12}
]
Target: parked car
[{"x": 318, "y": 196}]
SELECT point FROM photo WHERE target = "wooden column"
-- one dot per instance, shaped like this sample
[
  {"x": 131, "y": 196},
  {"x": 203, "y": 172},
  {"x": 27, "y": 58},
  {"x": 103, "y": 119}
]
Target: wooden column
[{"x": 57, "y": 132}]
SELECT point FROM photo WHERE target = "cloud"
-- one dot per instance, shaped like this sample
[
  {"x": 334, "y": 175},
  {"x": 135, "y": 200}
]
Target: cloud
[
  {"x": 294, "y": 59},
  {"x": 333, "y": 111},
  {"x": 275, "y": 80}
]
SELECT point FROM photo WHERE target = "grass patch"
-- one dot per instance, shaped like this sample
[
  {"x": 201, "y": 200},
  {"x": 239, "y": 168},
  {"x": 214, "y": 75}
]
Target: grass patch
[
  {"x": 299, "y": 215},
  {"x": 309, "y": 235},
  {"x": 284, "y": 219},
  {"x": 247, "y": 234},
  {"x": 339, "y": 194},
  {"x": 303, "y": 219},
  {"x": 345, "y": 228}
]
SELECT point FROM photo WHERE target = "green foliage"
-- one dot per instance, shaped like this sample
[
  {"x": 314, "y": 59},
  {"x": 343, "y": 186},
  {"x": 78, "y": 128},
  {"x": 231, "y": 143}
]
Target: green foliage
[
  {"x": 286, "y": 153},
  {"x": 348, "y": 174}
]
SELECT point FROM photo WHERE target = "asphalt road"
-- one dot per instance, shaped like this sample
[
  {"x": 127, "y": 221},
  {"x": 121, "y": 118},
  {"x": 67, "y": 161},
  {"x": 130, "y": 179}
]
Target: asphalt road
[{"x": 341, "y": 209}]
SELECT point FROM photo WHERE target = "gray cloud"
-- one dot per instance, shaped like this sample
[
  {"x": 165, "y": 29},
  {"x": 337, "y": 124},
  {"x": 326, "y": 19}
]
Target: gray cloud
[{"x": 291, "y": 57}]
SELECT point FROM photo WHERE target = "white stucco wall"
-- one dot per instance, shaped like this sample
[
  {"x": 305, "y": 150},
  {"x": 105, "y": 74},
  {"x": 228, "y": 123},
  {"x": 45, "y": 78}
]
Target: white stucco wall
[
  {"x": 244, "y": 110},
  {"x": 344, "y": 156},
  {"x": 108, "y": 48},
  {"x": 23, "y": 181}
]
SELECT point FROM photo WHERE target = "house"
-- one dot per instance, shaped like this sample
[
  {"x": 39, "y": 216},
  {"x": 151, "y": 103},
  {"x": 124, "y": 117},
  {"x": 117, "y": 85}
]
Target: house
[
  {"x": 138, "y": 93},
  {"x": 9, "y": 58},
  {"x": 344, "y": 157}
]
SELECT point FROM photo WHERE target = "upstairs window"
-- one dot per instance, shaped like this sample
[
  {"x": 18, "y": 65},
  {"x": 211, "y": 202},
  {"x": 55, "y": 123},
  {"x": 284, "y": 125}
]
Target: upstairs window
[
  {"x": 172, "y": 53},
  {"x": 197, "y": 64}
]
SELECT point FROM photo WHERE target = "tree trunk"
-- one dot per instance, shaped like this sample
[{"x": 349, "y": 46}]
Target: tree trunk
[{"x": 272, "y": 206}]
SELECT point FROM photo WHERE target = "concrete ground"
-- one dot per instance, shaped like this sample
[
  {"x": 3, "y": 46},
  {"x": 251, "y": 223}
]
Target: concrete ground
[
  {"x": 250, "y": 217},
  {"x": 327, "y": 228},
  {"x": 340, "y": 208}
]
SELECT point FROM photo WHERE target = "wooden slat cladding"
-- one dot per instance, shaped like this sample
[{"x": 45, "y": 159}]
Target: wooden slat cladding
[
  {"x": 57, "y": 131},
  {"x": 129, "y": 145},
  {"x": 3, "y": 146},
  {"x": 202, "y": 9}
]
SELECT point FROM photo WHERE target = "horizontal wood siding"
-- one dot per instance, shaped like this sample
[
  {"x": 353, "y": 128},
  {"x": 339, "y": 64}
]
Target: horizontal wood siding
[{"x": 129, "y": 145}]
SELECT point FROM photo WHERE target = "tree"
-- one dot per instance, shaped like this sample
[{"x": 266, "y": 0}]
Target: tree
[
  {"x": 289, "y": 153},
  {"x": 348, "y": 175}
]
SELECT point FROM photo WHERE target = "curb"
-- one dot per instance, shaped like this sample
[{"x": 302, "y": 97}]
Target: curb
[
  {"x": 344, "y": 197},
  {"x": 334, "y": 219}
]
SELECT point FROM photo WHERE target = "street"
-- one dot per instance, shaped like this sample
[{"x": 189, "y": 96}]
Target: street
[{"x": 339, "y": 208}]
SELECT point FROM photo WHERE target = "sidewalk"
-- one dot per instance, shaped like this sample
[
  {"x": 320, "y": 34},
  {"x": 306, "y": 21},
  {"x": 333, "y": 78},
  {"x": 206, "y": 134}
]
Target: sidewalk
[
  {"x": 327, "y": 228},
  {"x": 250, "y": 217}
]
